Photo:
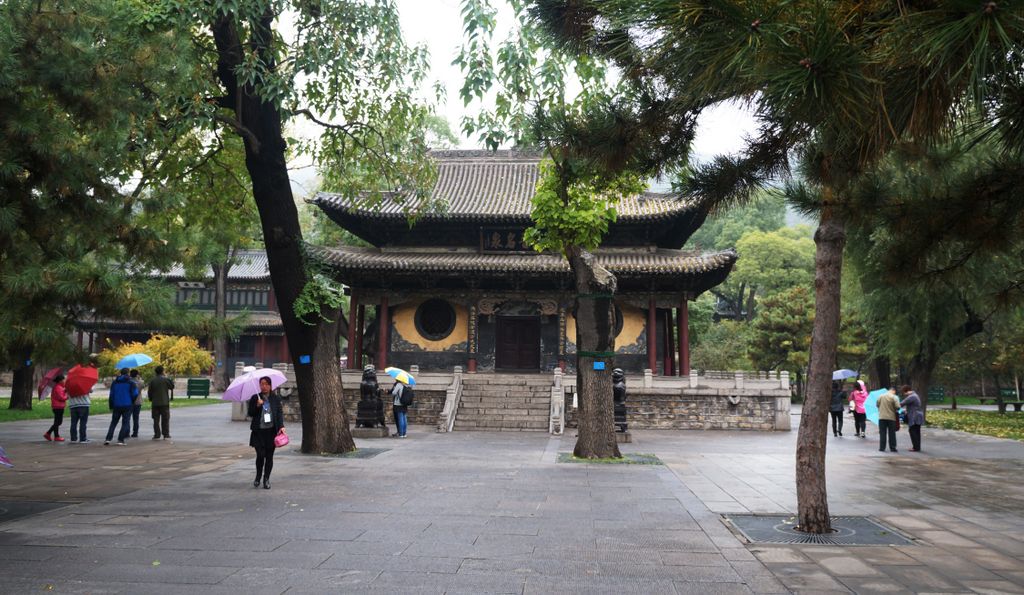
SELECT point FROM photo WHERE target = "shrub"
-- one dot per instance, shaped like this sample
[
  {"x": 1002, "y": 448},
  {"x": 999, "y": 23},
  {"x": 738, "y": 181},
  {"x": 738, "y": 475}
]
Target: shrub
[{"x": 180, "y": 356}]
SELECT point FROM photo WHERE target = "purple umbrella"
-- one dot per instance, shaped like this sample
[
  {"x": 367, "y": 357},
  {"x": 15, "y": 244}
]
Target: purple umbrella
[{"x": 246, "y": 385}]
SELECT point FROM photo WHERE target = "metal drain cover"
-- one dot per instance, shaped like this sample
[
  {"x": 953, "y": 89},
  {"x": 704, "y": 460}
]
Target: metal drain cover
[{"x": 848, "y": 530}]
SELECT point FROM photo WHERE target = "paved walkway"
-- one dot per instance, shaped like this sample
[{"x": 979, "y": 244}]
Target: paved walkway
[{"x": 473, "y": 512}]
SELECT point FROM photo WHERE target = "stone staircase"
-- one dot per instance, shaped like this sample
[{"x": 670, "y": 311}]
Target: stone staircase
[{"x": 506, "y": 402}]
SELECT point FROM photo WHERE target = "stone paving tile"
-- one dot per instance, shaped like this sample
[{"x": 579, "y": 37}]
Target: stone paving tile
[
  {"x": 564, "y": 525},
  {"x": 392, "y": 548},
  {"x": 672, "y": 558},
  {"x": 19, "y": 586},
  {"x": 543, "y": 585},
  {"x": 684, "y": 588},
  {"x": 874, "y": 585},
  {"x": 993, "y": 587},
  {"x": 779, "y": 555},
  {"x": 164, "y": 573},
  {"x": 381, "y": 563},
  {"x": 805, "y": 577}
]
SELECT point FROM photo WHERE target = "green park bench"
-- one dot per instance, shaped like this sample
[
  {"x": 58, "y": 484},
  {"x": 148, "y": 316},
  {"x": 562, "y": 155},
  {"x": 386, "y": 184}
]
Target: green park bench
[
  {"x": 198, "y": 387},
  {"x": 936, "y": 394}
]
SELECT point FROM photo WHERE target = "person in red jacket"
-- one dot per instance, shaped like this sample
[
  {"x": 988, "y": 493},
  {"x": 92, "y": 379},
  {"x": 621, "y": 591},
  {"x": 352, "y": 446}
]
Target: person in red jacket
[{"x": 58, "y": 400}]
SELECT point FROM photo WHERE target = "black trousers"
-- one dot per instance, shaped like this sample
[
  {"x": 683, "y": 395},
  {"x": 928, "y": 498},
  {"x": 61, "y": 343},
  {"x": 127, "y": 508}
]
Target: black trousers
[
  {"x": 58, "y": 418},
  {"x": 915, "y": 436},
  {"x": 264, "y": 461},
  {"x": 860, "y": 423},
  {"x": 837, "y": 422},
  {"x": 887, "y": 428}
]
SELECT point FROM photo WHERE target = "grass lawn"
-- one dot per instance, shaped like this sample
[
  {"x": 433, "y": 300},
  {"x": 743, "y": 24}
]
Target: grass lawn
[
  {"x": 41, "y": 409},
  {"x": 986, "y": 423}
]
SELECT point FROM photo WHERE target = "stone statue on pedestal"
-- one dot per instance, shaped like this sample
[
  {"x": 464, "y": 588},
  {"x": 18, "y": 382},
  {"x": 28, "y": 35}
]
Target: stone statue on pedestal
[
  {"x": 370, "y": 411},
  {"x": 619, "y": 394}
]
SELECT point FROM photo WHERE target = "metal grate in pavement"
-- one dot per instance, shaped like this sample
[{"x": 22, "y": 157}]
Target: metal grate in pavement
[
  {"x": 359, "y": 453},
  {"x": 848, "y": 530}
]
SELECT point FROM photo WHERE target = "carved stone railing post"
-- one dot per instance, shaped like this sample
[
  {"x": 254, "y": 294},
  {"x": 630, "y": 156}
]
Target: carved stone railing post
[
  {"x": 648, "y": 378},
  {"x": 452, "y": 396},
  {"x": 556, "y": 419}
]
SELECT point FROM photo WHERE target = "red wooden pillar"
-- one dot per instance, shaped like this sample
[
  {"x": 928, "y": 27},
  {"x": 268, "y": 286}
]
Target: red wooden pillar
[
  {"x": 382, "y": 334},
  {"x": 263, "y": 349},
  {"x": 670, "y": 348},
  {"x": 352, "y": 307},
  {"x": 360, "y": 333},
  {"x": 652, "y": 335},
  {"x": 684, "y": 337},
  {"x": 79, "y": 339}
]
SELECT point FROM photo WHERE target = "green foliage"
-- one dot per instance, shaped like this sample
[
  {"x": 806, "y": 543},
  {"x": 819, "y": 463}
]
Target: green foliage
[
  {"x": 87, "y": 135},
  {"x": 180, "y": 356},
  {"x": 934, "y": 239},
  {"x": 722, "y": 347},
  {"x": 724, "y": 228},
  {"x": 781, "y": 334},
  {"x": 985, "y": 423},
  {"x": 319, "y": 293},
  {"x": 775, "y": 260},
  {"x": 577, "y": 215}
]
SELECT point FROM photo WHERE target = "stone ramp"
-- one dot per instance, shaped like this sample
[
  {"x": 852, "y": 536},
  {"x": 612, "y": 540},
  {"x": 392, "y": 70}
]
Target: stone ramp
[{"x": 509, "y": 402}]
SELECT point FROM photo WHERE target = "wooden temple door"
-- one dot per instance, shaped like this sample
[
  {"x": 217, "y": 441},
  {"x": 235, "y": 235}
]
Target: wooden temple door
[{"x": 517, "y": 345}]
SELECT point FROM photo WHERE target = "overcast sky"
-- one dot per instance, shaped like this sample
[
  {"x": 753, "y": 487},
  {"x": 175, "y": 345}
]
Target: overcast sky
[{"x": 438, "y": 25}]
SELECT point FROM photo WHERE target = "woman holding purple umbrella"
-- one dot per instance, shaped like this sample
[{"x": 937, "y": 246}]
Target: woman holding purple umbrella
[{"x": 267, "y": 421}]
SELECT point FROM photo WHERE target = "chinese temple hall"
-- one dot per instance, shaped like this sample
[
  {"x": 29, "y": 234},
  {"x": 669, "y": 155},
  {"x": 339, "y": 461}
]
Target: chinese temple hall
[{"x": 460, "y": 288}]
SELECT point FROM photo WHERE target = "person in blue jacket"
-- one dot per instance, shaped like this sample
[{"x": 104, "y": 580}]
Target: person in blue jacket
[{"x": 123, "y": 393}]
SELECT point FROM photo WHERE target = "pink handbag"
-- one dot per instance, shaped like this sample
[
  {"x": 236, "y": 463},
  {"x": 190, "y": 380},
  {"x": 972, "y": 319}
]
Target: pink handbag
[{"x": 281, "y": 439}]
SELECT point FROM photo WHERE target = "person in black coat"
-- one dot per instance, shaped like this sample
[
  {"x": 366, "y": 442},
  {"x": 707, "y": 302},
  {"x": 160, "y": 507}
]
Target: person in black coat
[
  {"x": 267, "y": 422},
  {"x": 836, "y": 408}
]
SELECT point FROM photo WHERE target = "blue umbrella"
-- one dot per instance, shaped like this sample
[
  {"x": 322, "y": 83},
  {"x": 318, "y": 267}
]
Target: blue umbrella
[
  {"x": 134, "y": 360},
  {"x": 871, "y": 404},
  {"x": 843, "y": 374}
]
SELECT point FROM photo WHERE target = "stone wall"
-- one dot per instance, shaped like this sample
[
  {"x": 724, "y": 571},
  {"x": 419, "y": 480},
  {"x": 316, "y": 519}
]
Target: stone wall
[
  {"x": 719, "y": 401},
  {"x": 430, "y": 395}
]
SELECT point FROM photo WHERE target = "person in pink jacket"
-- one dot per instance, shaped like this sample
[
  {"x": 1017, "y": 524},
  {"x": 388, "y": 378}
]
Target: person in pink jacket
[
  {"x": 58, "y": 400},
  {"x": 857, "y": 398}
]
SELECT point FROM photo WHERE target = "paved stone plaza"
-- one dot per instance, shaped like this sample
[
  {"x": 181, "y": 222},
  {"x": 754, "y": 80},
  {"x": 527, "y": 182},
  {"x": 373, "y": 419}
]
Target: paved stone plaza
[{"x": 474, "y": 512}]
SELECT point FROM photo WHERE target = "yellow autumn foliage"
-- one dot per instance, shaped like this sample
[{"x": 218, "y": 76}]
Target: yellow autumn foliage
[{"x": 180, "y": 356}]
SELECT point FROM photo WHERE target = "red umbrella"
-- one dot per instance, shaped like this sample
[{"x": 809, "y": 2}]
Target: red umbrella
[
  {"x": 46, "y": 382},
  {"x": 81, "y": 380}
]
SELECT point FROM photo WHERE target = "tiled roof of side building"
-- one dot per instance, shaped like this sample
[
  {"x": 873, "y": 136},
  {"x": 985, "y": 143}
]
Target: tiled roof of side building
[
  {"x": 659, "y": 262},
  {"x": 250, "y": 265},
  {"x": 478, "y": 185}
]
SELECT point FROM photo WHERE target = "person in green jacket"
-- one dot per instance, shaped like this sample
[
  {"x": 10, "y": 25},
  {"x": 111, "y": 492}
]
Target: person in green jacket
[
  {"x": 161, "y": 391},
  {"x": 888, "y": 419}
]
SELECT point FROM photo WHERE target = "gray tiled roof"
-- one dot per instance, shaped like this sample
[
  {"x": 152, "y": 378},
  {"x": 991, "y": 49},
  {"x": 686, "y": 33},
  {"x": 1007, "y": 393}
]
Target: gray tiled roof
[
  {"x": 659, "y": 262},
  {"x": 250, "y": 265},
  {"x": 480, "y": 185},
  {"x": 266, "y": 320}
]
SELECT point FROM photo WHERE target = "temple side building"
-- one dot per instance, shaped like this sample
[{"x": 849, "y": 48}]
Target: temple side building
[{"x": 460, "y": 287}]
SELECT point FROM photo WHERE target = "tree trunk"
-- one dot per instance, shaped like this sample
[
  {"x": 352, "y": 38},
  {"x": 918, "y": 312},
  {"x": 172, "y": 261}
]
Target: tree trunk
[
  {"x": 22, "y": 386},
  {"x": 920, "y": 372},
  {"x": 220, "y": 339},
  {"x": 879, "y": 370},
  {"x": 314, "y": 348},
  {"x": 811, "y": 492},
  {"x": 595, "y": 323}
]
